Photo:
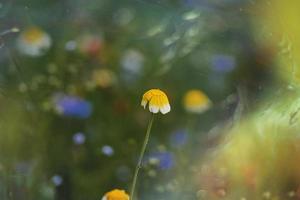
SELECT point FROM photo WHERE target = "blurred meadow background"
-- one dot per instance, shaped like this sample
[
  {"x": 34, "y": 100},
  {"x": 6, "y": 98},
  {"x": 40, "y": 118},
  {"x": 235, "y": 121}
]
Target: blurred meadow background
[{"x": 73, "y": 72}]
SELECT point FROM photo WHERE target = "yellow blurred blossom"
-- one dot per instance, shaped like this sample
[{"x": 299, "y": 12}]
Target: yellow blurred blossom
[
  {"x": 33, "y": 42},
  {"x": 103, "y": 78},
  {"x": 195, "y": 101},
  {"x": 158, "y": 101},
  {"x": 116, "y": 195}
]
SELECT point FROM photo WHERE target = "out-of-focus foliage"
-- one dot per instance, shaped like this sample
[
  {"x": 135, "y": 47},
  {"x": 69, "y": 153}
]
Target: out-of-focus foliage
[
  {"x": 257, "y": 157},
  {"x": 277, "y": 30}
]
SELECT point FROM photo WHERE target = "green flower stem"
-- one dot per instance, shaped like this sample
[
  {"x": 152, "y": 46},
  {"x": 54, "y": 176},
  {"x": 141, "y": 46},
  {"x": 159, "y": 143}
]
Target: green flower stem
[{"x": 139, "y": 165}]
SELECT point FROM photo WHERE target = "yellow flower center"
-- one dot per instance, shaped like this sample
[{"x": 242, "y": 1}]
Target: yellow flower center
[
  {"x": 117, "y": 195},
  {"x": 32, "y": 35}
]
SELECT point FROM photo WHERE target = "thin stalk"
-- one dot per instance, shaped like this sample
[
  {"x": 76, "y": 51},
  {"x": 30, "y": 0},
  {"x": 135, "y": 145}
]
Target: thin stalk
[{"x": 139, "y": 164}]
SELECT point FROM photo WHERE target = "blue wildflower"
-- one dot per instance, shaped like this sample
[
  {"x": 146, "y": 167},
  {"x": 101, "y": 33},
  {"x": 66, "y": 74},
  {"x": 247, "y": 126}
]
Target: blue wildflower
[
  {"x": 107, "y": 150},
  {"x": 132, "y": 63},
  {"x": 78, "y": 138},
  {"x": 57, "y": 180},
  {"x": 73, "y": 106},
  {"x": 179, "y": 138},
  {"x": 223, "y": 63},
  {"x": 163, "y": 160}
]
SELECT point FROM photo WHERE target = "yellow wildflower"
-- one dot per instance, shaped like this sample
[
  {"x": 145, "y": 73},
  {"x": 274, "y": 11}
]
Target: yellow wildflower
[
  {"x": 158, "y": 101},
  {"x": 196, "y": 101},
  {"x": 116, "y": 195},
  {"x": 103, "y": 78},
  {"x": 33, "y": 42}
]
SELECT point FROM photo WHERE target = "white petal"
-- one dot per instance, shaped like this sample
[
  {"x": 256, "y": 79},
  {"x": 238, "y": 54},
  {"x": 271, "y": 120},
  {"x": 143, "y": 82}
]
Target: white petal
[
  {"x": 165, "y": 109},
  {"x": 37, "y": 48},
  {"x": 154, "y": 109},
  {"x": 197, "y": 109},
  {"x": 104, "y": 198},
  {"x": 144, "y": 103}
]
